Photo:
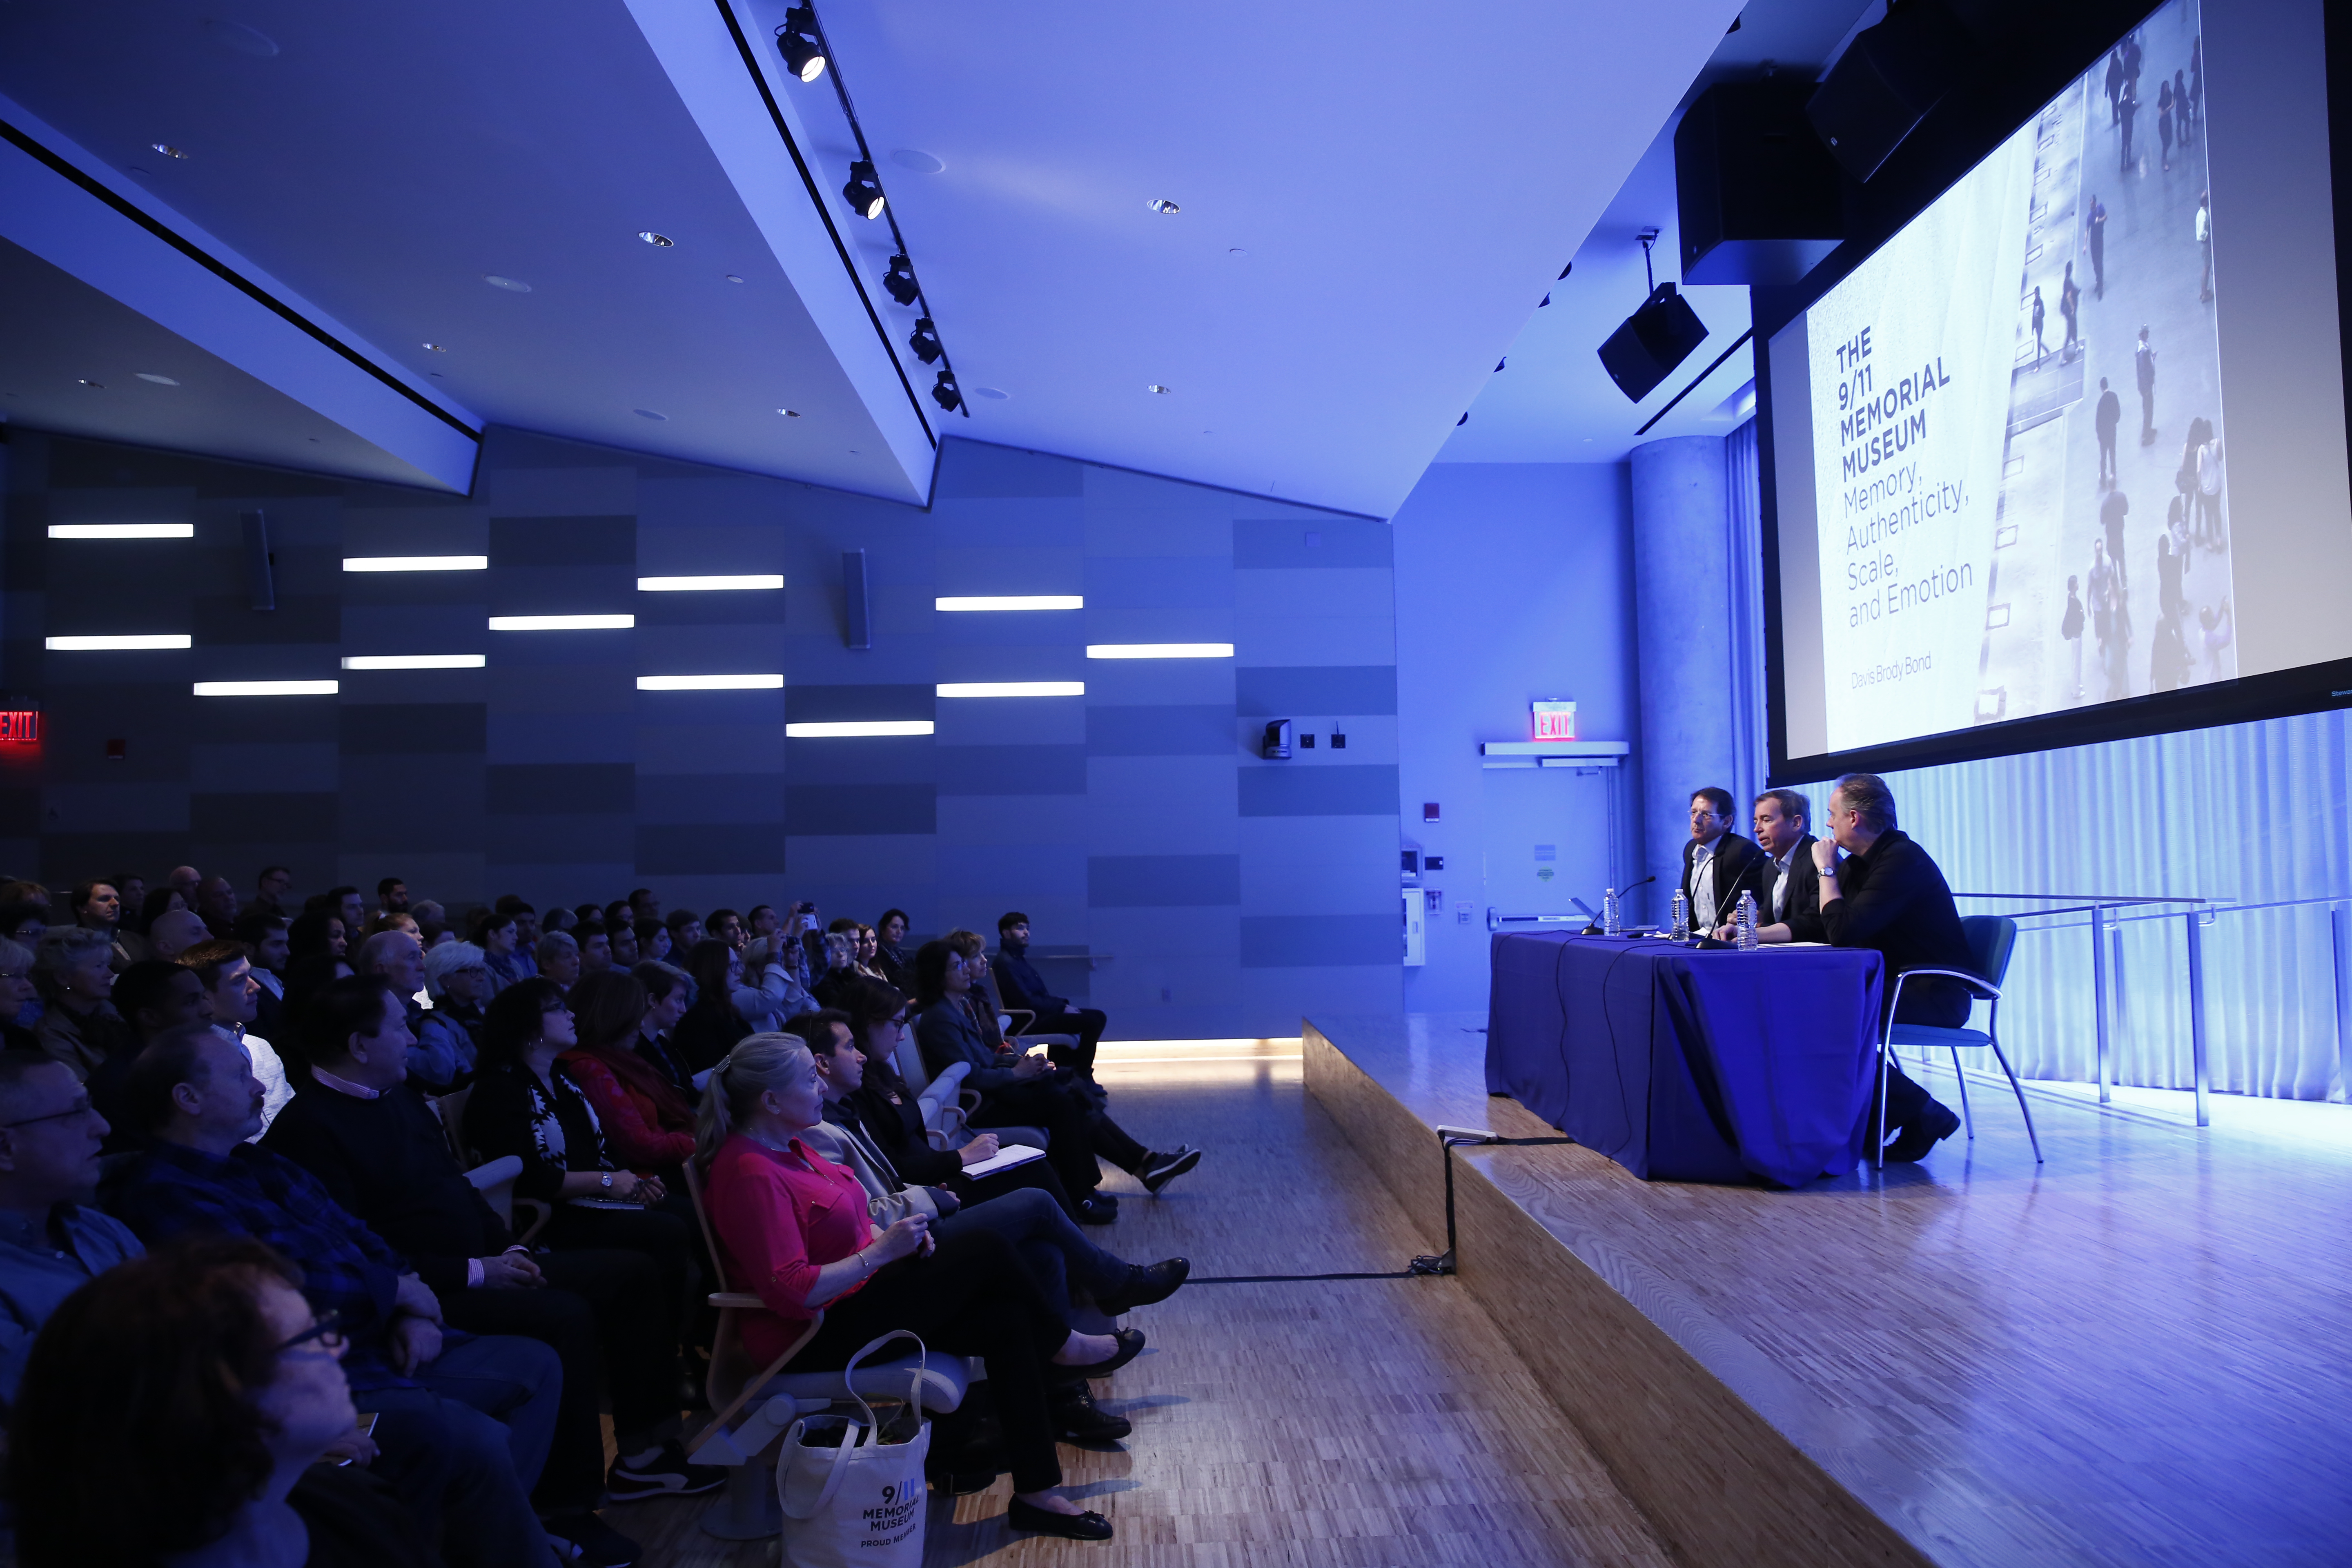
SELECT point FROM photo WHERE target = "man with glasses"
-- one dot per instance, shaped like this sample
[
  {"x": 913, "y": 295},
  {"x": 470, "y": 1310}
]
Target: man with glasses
[
  {"x": 51, "y": 1242},
  {"x": 1714, "y": 860}
]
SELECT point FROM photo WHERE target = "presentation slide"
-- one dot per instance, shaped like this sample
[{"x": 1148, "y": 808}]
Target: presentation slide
[{"x": 2005, "y": 483}]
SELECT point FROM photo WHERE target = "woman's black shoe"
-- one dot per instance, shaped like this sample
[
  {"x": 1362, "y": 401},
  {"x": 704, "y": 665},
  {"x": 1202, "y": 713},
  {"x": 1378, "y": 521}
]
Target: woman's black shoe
[
  {"x": 1130, "y": 1345},
  {"x": 1045, "y": 1521},
  {"x": 1096, "y": 1210},
  {"x": 1147, "y": 1284},
  {"x": 1078, "y": 1419}
]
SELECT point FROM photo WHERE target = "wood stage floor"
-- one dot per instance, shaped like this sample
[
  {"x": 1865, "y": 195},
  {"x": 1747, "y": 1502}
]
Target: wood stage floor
[
  {"x": 1363, "y": 1424},
  {"x": 2140, "y": 1353}
]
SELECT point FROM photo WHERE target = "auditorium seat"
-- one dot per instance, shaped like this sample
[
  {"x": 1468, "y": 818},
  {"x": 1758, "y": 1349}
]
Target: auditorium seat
[
  {"x": 494, "y": 1180},
  {"x": 1991, "y": 938}
]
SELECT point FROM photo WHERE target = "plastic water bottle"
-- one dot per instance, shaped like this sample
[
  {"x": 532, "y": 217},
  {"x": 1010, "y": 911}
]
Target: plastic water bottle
[
  {"x": 1747, "y": 920},
  {"x": 1682, "y": 917},
  {"x": 1611, "y": 918}
]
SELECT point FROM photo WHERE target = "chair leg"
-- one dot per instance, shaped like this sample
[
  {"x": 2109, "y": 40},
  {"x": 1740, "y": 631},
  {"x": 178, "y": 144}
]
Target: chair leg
[
  {"x": 2022, "y": 1107},
  {"x": 1962, "y": 1078},
  {"x": 1886, "y": 1061}
]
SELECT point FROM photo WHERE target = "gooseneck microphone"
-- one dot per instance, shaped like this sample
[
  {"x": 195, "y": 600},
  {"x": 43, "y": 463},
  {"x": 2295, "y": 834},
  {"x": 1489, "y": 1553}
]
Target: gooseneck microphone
[{"x": 1593, "y": 928}]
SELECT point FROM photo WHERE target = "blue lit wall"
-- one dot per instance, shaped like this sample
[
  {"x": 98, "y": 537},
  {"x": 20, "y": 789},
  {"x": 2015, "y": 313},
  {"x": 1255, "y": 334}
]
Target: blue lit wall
[{"x": 1194, "y": 889}]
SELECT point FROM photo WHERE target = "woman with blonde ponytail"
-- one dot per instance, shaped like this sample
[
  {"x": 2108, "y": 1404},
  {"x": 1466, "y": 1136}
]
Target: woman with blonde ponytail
[{"x": 794, "y": 1228}]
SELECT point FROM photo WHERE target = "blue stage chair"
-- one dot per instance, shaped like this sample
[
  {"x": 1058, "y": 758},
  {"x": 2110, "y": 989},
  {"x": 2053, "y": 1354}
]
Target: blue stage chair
[{"x": 1991, "y": 938}]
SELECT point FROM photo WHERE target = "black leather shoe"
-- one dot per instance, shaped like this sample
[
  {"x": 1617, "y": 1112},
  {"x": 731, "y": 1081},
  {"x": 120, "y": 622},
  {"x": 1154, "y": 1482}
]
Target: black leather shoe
[
  {"x": 1931, "y": 1127},
  {"x": 1020, "y": 1515},
  {"x": 1145, "y": 1285},
  {"x": 1130, "y": 1345},
  {"x": 1163, "y": 1169},
  {"x": 1095, "y": 1210},
  {"x": 1078, "y": 1419}
]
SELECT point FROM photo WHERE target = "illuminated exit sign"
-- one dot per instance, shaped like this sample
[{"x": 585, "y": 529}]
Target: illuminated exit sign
[
  {"x": 19, "y": 726},
  {"x": 1554, "y": 718}
]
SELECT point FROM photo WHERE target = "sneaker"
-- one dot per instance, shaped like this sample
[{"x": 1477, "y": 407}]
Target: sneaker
[
  {"x": 1161, "y": 1169},
  {"x": 1095, "y": 1209},
  {"x": 592, "y": 1542},
  {"x": 668, "y": 1474}
]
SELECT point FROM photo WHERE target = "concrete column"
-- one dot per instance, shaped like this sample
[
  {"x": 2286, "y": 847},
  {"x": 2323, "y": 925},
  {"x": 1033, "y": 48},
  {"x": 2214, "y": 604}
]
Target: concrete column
[{"x": 1683, "y": 631}]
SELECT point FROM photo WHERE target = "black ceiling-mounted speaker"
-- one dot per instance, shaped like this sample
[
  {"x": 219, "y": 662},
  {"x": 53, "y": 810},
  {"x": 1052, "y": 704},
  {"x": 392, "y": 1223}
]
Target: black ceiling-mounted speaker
[
  {"x": 1653, "y": 340},
  {"x": 1888, "y": 79},
  {"x": 1760, "y": 199}
]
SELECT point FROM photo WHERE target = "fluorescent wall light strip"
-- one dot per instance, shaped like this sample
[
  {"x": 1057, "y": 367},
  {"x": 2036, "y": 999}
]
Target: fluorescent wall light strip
[
  {"x": 1013, "y": 688},
  {"x": 1014, "y": 602},
  {"x": 705, "y": 585},
  {"x": 843, "y": 728},
  {"x": 561, "y": 623},
  {"x": 416, "y": 563},
  {"x": 120, "y": 644},
  {"x": 415, "y": 661},
  {"x": 710, "y": 683},
  {"x": 1160, "y": 650},
  {"x": 122, "y": 530},
  {"x": 267, "y": 687}
]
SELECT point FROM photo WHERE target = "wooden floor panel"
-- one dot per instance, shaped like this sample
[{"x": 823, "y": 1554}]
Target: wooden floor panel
[
  {"x": 2140, "y": 1352},
  {"x": 1359, "y": 1424}
]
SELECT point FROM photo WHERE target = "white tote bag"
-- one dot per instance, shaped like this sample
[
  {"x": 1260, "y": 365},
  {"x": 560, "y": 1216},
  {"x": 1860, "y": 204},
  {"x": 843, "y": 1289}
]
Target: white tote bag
[{"x": 859, "y": 1501}]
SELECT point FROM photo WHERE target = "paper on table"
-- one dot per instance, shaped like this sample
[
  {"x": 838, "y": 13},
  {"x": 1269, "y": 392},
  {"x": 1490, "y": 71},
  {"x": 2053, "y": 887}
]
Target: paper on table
[
  {"x": 1004, "y": 1159},
  {"x": 1769, "y": 946}
]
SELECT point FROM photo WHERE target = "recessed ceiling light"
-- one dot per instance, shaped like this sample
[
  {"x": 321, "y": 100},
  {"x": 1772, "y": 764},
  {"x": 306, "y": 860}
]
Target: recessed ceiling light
[
  {"x": 922, "y": 162},
  {"x": 647, "y": 413},
  {"x": 438, "y": 348},
  {"x": 991, "y": 393},
  {"x": 511, "y": 285},
  {"x": 158, "y": 379},
  {"x": 790, "y": 412},
  {"x": 1163, "y": 204},
  {"x": 732, "y": 279},
  {"x": 659, "y": 241},
  {"x": 1237, "y": 250},
  {"x": 168, "y": 150},
  {"x": 1155, "y": 386},
  {"x": 98, "y": 384}
]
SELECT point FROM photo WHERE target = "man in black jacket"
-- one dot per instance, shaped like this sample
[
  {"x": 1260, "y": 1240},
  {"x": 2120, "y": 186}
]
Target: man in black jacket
[
  {"x": 1714, "y": 860},
  {"x": 1787, "y": 887},
  {"x": 1023, "y": 987},
  {"x": 1888, "y": 895},
  {"x": 381, "y": 1151}
]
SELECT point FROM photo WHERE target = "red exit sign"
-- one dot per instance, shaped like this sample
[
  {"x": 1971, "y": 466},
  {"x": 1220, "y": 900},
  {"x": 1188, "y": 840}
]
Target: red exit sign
[
  {"x": 20, "y": 726},
  {"x": 1554, "y": 718}
]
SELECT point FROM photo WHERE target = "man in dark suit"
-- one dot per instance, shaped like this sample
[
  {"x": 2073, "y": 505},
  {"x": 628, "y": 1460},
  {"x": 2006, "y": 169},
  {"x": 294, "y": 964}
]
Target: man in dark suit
[
  {"x": 1714, "y": 860},
  {"x": 1888, "y": 894},
  {"x": 1787, "y": 888}
]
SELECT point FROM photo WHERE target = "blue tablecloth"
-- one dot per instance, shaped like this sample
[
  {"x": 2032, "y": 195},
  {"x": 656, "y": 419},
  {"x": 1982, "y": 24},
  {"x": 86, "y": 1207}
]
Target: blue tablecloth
[{"x": 1689, "y": 1066}]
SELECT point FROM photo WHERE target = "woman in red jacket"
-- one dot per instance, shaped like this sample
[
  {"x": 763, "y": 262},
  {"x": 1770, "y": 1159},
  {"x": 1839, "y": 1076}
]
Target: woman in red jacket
[{"x": 648, "y": 1123}]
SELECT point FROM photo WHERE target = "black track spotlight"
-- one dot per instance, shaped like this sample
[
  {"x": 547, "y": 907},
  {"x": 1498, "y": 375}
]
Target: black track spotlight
[
  {"x": 863, "y": 191},
  {"x": 925, "y": 341},
  {"x": 900, "y": 280},
  {"x": 803, "y": 55},
  {"x": 944, "y": 391}
]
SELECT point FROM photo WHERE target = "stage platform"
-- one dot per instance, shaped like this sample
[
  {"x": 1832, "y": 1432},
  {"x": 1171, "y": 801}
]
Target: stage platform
[{"x": 2140, "y": 1352}]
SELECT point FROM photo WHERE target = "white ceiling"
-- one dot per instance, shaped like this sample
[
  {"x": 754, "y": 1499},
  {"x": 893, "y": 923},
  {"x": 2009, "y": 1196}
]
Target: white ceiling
[{"x": 1373, "y": 198}]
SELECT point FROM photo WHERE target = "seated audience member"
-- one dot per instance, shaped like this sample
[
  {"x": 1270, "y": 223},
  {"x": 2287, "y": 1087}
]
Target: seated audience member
[
  {"x": 840, "y": 969},
  {"x": 653, "y": 943},
  {"x": 1885, "y": 893},
  {"x": 305, "y": 978},
  {"x": 499, "y": 936},
  {"x": 184, "y": 880},
  {"x": 345, "y": 904},
  {"x": 1715, "y": 858},
  {"x": 381, "y": 1152},
  {"x": 20, "y": 999},
  {"x": 618, "y": 913},
  {"x": 869, "y": 947},
  {"x": 433, "y": 934},
  {"x": 1028, "y": 1091},
  {"x": 1787, "y": 887},
  {"x": 526, "y": 919},
  {"x": 98, "y": 906},
  {"x": 383, "y": 924},
  {"x": 669, "y": 993},
  {"x": 391, "y": 897},
  {"x": 488, "y": 1404},
  {"x": 79, "y": 1026},
  {"x": 271, "y": 890},
  {"x": 558, "y": 959},
  {"x": 596, "y": 949},
  {"x": 1057, "y": 1254},
  {"x": 313, "y": 932},
  {"x": 232, "y": 994},
  {"x": 216, "y": 907},
  {"x": 712, "y": 1025},
  {"x": 645, "y": 904},
  {"x": 762, "y": 920},
  {"x": 52, "y": 1242},
  {"x": 526, "y": 1103},
  {"x": 264, "y": 935},
  {"x": 770, "y": 989},
  {"x": 159, "y": 901},
  {"x": 623, "y": 936},
  {"x": 22, "y": 920},
  {"x": 685, "y": 930},
  {"x": 726, "y": 926},
  {"x": 647, "y": 1121},
  {"x": 449, "y": 1037},
  {"x": 175, "y": 931},
  {"x": 133, "y": 888},
  {"x": 794, "y": 1228},
  {"x": 558, "y": 919},
  {"x": 1020, "y": 985},
  {"x": 400, "y": 959},
  {"x": 897, "y": 967},
  {"x": 176, "y": 1412},
  {"x": 155, "y": 999},
  {"x": 428, "y": 911}
]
